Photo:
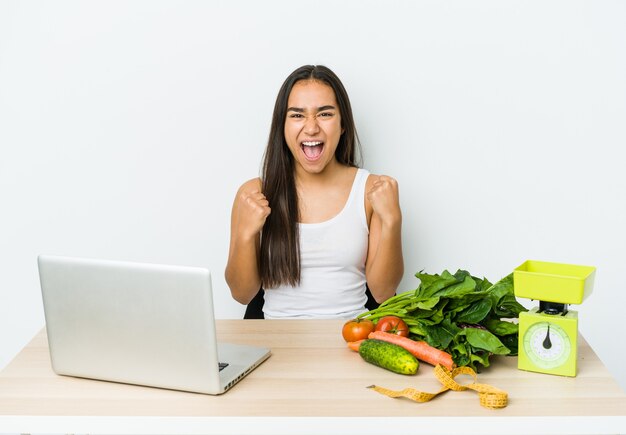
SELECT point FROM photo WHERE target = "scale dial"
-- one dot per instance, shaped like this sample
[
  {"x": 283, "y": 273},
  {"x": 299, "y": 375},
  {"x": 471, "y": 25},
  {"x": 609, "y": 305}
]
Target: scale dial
[{"x": 547, "y": 345}]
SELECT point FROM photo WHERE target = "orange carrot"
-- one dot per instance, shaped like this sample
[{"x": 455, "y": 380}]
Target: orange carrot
[
  {"x": 354, "y": 345},
  {"x": 420, "y": 349}
]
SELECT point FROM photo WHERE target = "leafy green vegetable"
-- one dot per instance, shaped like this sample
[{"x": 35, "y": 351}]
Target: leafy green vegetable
[
  {"x": 483, "y": 339},
  {"x": 460, "y": 314},
  {"x": 476, "y": 312}
]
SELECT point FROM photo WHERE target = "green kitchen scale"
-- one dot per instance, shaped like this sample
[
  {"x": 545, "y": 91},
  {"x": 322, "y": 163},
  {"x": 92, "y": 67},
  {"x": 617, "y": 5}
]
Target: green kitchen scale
[{"x": 548, "y": 334}]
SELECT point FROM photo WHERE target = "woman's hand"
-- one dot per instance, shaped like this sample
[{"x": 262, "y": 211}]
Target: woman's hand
[
  {"x": 385, "y": 200},
  {"x": 252, "y": 211}
]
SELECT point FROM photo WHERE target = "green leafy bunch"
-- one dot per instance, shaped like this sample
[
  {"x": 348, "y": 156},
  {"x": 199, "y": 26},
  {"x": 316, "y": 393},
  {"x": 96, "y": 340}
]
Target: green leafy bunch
[{"x": 460, "y": 314}]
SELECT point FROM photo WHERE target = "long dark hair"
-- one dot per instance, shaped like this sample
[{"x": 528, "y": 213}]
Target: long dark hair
[{"x": 279, "y": 261}]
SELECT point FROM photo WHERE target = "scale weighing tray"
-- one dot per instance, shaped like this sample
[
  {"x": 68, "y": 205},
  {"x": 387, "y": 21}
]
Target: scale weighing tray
[{"x": 553, "y": 282}]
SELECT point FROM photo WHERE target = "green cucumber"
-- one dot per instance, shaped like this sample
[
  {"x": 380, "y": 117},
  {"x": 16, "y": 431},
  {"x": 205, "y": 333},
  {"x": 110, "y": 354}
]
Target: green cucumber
[{"x": 388, "y": 356}]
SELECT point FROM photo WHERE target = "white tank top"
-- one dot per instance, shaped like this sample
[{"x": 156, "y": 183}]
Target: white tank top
[{"x": 332, "y": 265}]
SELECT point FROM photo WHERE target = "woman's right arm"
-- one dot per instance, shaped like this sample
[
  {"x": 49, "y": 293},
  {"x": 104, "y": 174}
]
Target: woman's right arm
[{"x": 250, "y": 209}]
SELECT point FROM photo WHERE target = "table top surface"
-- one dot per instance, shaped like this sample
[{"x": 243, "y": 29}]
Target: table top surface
[{"x": 311, "y": 373}]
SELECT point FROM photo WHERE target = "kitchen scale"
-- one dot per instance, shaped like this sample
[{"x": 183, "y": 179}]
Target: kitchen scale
[{"x": 548, "y": 334}]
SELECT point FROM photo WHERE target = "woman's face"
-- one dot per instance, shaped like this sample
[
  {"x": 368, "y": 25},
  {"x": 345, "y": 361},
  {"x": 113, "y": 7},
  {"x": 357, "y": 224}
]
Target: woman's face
[{"x": 312, "y": 126}]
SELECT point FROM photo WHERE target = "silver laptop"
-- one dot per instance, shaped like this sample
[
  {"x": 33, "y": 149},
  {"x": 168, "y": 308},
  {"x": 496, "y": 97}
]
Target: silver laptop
[{"x": 136, "y": 323}]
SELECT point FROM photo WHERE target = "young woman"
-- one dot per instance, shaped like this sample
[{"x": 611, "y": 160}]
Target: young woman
[{"x": 315, "y": 228}]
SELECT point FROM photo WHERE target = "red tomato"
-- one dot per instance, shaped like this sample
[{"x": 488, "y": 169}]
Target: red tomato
[
  {"x": 393, "y": 325},
  {"x": 357, "y": 329}
]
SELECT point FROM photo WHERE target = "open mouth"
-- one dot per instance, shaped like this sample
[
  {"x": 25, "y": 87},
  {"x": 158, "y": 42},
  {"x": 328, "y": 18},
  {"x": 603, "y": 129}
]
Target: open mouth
[{"x": 312, "y": 149}]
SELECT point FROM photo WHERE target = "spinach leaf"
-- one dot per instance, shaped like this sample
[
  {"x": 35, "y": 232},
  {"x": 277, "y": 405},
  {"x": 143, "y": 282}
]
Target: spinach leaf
[
  {"x": 483, "y": 339},
  {"x": 482, "y": 284},
  {"x": 432, "y": 284},
  {"x": 501, "y": 288},
  {"x": 501, "y": 327},
  {"x": 460, "y": 354},
  {"x": 481, "y": 357},
  {"x": 476, "y": 312},
  {"x": 416, "y": 328},
  {"x": 511, "y": 342},
  {"x": 442, "y": 334},
  {"x": 459, "y": 289},
  {"x": 503, "y": 297},
  {"x": 459, "y": 304},
  {"x": 428, "y": 304},
  {"x": 427, "y": 279},
  {"x": 508, "y": 307}
]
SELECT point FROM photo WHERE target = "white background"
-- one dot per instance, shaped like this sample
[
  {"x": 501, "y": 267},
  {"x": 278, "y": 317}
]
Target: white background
[{"x": 127, "y": 127}]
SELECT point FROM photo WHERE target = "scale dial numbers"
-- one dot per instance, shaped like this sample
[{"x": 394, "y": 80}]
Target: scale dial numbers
[{"x": 547, "y": 345}]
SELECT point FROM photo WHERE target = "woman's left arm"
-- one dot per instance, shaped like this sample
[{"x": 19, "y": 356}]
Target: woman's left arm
[{"x": 385, "y": 265}]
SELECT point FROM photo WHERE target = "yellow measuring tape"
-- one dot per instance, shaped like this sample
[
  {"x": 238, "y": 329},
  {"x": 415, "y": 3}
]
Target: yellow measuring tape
[{"x": 489, "y": 396}]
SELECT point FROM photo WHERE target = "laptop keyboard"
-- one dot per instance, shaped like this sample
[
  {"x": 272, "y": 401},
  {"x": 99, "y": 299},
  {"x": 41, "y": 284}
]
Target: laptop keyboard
[{"x": 222, "y": 366}]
